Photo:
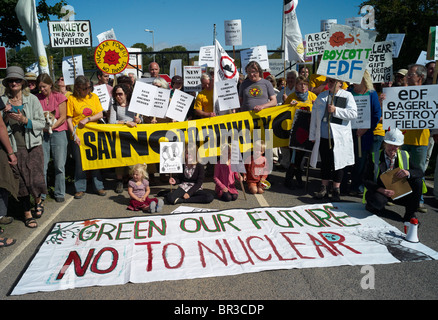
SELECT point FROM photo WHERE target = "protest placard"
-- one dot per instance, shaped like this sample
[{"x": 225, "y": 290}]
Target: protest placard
[
  {"x": 363, "y": 120},
  {"x": 111, "y": 56},
  {"x": 179, "y": 105},
  {"x": 70, "y": 34},
  {"x": 227, "y": 95},
  {"x": 192, "y": 78},
  {"x": 106, "y": 35},
  {"x": 346, "y": 53},
  {"x": 104, "y": 96},
  {"x": 104, "y": 252},
  {"x": 171, "y": 157},
  {"x": 412, "y": 107},
  {"x": 71, "y": 69},
  {"x": 175, "y": 68},
  {"x": 259, "y": 54},
  {"x": 397, "y": 42},
  {"x": 233, "y": 32},
  {"x": 432, "y": 44},
  {"x": 160, "y": 103},
  {"x": 315, "y": 43},
  {"x": 142, "y": 98},
  {"x": 380, "y": 62},
  {"x": 206, "y": 56}
]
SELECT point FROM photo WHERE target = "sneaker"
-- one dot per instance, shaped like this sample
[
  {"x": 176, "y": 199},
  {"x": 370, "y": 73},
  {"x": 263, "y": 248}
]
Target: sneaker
[
  {"x": 160, "y": 205},
  {"x": 79, "y": 195},
  {"x": 101, "y": 192},
  {"x": 321, "y": 193},
  {"x": 153, "y": 206},
  {"x": 422, "y": 208},
  {"x": 6, "y": 220},
  {"x": 119, "y": 187}
]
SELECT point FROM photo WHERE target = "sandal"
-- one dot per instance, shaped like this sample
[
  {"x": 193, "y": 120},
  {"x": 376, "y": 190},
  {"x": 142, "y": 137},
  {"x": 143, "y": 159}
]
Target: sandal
[
  {"x": 39, "y": 210},
  {"x": 4, "y": 242},
  {"x": 30, "y": 221}
]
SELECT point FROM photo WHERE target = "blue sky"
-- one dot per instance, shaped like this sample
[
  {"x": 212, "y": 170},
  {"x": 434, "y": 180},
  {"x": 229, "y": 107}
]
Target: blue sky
[{"x": 190, "y": 23}]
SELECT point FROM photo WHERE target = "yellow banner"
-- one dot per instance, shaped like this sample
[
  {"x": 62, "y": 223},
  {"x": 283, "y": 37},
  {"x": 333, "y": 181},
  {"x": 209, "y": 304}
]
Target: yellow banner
[{"x": 116, "y": 145}]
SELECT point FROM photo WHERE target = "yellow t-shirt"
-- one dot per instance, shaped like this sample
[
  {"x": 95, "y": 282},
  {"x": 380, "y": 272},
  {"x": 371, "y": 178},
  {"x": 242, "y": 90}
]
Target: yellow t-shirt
[
  {"x": 79, "y": 109},
  {"x": 204, "y": 101},
  {"x": 316, "y": 80},
  {"x": 417, "y": 137},
  {"x": 302, "y": 104}
]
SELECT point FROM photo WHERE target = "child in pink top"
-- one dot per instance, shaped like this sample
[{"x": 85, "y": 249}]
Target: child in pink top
[
  {"x": 224, "y": 179},
  {"x": 138, "y": 190}
]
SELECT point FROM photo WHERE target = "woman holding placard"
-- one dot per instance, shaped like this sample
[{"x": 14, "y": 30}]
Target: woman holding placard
[
  {"x": 330, "y": 130},
  {"x": 83, "y": 107},
  {"x": 118, "y": 113}
]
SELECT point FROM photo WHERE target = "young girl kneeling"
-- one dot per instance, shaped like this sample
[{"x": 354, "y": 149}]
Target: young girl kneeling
[{"x": 138, "y": 190}]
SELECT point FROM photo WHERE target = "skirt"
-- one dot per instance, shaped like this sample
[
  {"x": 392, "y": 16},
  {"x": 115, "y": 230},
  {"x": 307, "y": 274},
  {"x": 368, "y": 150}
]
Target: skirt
[{"x": 30, "y": 169}]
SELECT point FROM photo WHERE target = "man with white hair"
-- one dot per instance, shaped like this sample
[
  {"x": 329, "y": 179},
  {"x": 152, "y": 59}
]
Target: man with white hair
[{"x": 392, "y": 157}]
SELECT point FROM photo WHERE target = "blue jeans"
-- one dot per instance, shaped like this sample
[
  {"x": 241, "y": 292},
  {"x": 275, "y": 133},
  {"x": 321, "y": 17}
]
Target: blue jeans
[
  {"x": 81, "y": 176},
  {"x": 56, "y": 145},
  {"x": 418, "y": 155}
]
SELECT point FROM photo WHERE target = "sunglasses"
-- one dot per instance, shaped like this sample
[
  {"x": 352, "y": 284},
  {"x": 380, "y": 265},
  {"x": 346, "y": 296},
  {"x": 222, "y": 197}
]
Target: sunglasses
[{"x": 15, "y": 80}]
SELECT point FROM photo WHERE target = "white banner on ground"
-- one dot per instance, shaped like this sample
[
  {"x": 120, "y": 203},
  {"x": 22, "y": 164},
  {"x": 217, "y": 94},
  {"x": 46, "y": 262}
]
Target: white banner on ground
[
  {"x": 103, "y": 252},
  {"x": 412, "y": 107}
]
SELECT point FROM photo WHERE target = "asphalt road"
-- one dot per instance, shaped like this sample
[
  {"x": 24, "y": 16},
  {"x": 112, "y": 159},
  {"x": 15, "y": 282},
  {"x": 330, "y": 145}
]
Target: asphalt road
[{"x": 407, "y": 280}]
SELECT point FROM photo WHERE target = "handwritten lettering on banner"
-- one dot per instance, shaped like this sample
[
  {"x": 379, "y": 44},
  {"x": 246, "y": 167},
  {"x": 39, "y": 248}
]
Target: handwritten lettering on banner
[
  {"x": 196, "y": 245},
  {"x": 412, "y": 107},
  {"x": 346, "y": 53}
]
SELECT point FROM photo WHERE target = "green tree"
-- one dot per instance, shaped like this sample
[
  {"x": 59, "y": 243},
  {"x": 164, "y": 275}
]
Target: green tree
[
  {"x": 411, "y": 17},
  {"x": 11, "y": 33}
]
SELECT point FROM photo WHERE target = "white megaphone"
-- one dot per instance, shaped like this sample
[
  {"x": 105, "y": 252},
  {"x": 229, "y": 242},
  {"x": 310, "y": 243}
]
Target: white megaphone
[{"x": 412, "y": 234}]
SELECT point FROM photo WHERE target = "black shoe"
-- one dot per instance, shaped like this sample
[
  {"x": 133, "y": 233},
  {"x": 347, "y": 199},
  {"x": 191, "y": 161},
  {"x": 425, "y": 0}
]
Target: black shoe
[
  {"x": 322, "y": 193},
  {"x": 336, "y": 195},
  {"x": 119, "y": 187},
  {"x": 59, "y": 199},
  {"x": 371, "y": 209}
]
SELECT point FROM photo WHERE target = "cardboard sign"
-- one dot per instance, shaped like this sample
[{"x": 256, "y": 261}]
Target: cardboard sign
[
  {"x": 160, "y": 103},
  {"x": 192, "y": 78},
  {"x": 171, "y": 157},
  {"x": 397, "y": 42},
  {"x": 142, "y": 98},
  {"x": 259, "y": 54},
  {"x": 412, "y": 107},
  {"x": 179, "y": 105},
  {"x": 315, "y": 43},
  {"x": 227, "y": 95},
  {"x": 380, "y": 62},
  {"x": 225, "y": 68},
  {"x": 432, "y": 44},
  {"x": 104, "y": 96},
  {"x": 363, "y": 120},
  {"x": 111, "y": 56},
  {"x": 206, "y": 56},
  {"x": 346, "y": 53},
  {"x": 70, "y": 34},
  {"x": 71, "y": 70},
  {"x": 233, "y": 32}
]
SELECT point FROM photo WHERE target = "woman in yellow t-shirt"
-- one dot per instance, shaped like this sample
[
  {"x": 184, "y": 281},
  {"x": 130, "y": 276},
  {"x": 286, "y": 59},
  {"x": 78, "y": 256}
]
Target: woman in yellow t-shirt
[{"x": 83, "y": 107}]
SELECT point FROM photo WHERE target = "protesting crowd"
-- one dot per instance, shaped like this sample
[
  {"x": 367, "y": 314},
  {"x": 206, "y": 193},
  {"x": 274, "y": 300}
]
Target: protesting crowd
[{"x": 40, "y": 118}]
